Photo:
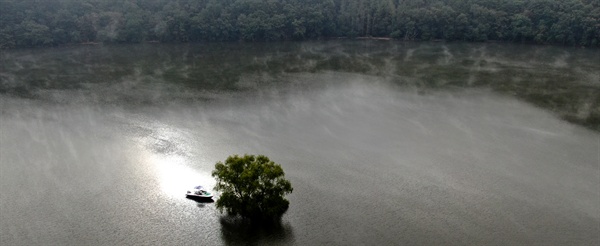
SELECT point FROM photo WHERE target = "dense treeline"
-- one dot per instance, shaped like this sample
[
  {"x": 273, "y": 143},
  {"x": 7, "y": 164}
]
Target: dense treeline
[{"x": 28, "y": 23}]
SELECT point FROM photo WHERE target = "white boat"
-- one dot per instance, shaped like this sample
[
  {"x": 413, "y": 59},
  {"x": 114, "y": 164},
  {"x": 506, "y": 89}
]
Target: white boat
[{"x": 198, "y": 192}]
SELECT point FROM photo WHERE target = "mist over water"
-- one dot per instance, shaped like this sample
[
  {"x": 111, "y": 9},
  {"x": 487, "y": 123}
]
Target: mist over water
[{"x": 384, "y": 143}]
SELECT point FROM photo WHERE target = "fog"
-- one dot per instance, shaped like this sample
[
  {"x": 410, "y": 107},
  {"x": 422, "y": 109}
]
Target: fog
[{"x": 380, "y": 148}]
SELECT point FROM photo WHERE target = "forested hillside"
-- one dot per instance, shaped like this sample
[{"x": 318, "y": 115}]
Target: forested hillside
[{"x": 30, "y": 23}]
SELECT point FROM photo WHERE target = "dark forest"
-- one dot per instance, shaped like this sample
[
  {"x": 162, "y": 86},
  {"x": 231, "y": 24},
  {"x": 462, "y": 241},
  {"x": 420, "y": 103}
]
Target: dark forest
[{"x": 33, "y": 23}]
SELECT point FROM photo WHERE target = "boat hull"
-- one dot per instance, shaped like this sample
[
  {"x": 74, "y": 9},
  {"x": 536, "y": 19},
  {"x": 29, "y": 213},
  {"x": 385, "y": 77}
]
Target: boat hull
[{"x": 198, "y": 196}]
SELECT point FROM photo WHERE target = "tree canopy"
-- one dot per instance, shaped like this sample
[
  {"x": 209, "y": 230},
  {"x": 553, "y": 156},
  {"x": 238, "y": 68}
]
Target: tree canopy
[
  {"x": 29, "y": 23},
  {"x": 252, "y": 187}
]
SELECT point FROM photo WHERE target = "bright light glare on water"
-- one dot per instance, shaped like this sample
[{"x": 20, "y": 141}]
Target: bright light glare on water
[
  {"x": 175, "y": 176},
  {"x": 164, "y": 150}
]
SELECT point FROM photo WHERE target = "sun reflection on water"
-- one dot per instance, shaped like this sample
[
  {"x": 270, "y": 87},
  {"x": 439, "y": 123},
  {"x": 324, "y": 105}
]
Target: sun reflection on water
[
  {"x": 172, "y": 168},
  {"x": 175, "y": 177}
]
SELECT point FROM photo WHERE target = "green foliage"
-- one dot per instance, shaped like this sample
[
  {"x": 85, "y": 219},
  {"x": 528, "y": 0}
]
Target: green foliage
[
  {"x": 27, "y": 23},
  {"x": 252, "y": 187}
]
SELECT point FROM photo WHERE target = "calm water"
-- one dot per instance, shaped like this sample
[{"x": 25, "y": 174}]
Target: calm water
[{"x": 385, "y": 143}]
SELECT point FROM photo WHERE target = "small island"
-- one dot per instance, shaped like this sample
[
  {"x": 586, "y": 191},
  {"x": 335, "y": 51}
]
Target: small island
[{"x": 252, "y": 187}]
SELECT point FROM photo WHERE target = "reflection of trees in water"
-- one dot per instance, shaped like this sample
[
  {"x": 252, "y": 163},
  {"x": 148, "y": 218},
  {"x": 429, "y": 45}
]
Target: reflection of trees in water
[
  {"x": 236, "y": 231},
  {"x": 558, "y": 79}
]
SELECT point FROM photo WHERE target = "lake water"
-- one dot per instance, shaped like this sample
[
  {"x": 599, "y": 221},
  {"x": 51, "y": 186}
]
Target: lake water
[{"x": 385, "y": 143}]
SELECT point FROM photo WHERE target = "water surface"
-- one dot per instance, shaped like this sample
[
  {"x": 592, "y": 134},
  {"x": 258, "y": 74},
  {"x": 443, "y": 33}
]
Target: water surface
[{"x": 384, "y": 143}]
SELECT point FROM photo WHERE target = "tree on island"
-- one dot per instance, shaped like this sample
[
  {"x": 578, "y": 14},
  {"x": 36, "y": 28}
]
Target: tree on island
[{"x": 252, "y": 187}]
